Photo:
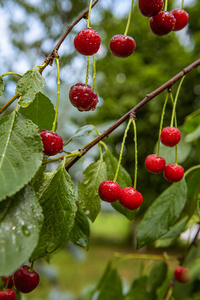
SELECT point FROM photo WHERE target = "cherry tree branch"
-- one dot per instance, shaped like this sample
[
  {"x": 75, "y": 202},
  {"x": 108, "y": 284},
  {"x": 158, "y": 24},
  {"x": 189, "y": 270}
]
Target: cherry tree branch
[
  {"x": 135, "y": 109},
  {"x": 53, "y": 54}
]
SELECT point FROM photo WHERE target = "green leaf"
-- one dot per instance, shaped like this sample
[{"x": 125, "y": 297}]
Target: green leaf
[
  {"x": 162, "y": 214},
  {"x": 192, "y": 121},
  {"x": 20, "y": 153},
  {"x": 57, "y": 196},
  {"x": 139, "y": 291},
  {"x": 29, "y": 85},
  {"x": 2, "y": 85},
  {"x": 123, "y": 179},
  {"x": 82, "y": 131},
  {"x": 88, "y": 189},
  {"x": 193, "y": 135},
  {"x": 112, "y": 287},
  {"x": 193, "y": 186},
  {"x": 157, "y": 276},
  {"x": 20, "y": 222},
  {"x": 80, "y": 232},
  {"x": 41, "y": 111}
]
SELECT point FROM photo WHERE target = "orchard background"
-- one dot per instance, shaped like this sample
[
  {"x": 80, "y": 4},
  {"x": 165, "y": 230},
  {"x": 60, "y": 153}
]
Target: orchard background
[{"x": 138, "y": 254}]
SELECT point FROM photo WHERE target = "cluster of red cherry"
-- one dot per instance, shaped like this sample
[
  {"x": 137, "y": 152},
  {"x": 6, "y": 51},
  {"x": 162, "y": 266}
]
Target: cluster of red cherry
[
  {"x": 25, "y": 280},
  {"x": 163, "y": 22},
  {"x": 170, "y": 136}
]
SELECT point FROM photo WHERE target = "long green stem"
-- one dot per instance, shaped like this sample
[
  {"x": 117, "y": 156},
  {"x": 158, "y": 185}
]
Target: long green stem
[
  {"x": 191, "y": 169},
  {"x": 58, "y": 94},
  {"x": 89, "y": 13},
  {"x": 175, "y": 101},
  {"x": 166, "y": 3},
  {"x": 136, "y": 158},
  {"x": 11, "y": 73},
  {"x": 94, "y": 71},
  {"x": 9, "y": 103},
  {"x": 129, "y": 19},
  {"x": 182, "y": 4},
  {"x": 122, "y": 148},
  {"x": 87, "y": 70},
  {"x": 161, "y": 123}
]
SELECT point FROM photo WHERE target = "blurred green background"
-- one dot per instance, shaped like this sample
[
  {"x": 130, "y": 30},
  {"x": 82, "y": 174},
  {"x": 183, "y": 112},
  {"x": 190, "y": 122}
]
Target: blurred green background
[{"x": 29, "y": 31}]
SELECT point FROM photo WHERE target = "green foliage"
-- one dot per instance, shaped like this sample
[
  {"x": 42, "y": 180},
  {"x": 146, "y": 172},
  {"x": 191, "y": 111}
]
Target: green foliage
[
  {"x": 2, "y": 85},
  {"x": 162, "y": 214},
  {"x": 20, "y": 153},
  {"x": 20, "y": 223}
]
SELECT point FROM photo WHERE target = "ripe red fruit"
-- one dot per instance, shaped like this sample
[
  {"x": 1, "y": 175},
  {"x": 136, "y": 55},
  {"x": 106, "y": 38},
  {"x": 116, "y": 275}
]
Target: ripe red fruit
[
  {"x": 150, "y": 8},
  {"x": 162, "y": 23},
  {"x": 52, "y": 142},
  {"x": 83, "y": 97},
  {"x": 122, "y": 45},
  {"x": 181, "y": 17},
  {"x": 8, "y": 294},
  {"x": 170, "y": 136},
  {"x": 10, "y": 283},
  {"x": 173, "y": 173},
  {"x": 26, "y": 280},
  {"x": 87, "y": 41},
  {"x": 182, "y": 274},
  {"x": 110, "y": 191},
  {"x": 155, "y": 164},
  {"x": 130, "y": 198}
]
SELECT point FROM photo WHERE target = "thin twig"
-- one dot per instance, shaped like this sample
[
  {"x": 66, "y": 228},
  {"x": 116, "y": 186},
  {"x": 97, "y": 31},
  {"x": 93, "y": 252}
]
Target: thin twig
[
  {"x": 136, "y": 108},
  {"x": 50, "y": 58}
]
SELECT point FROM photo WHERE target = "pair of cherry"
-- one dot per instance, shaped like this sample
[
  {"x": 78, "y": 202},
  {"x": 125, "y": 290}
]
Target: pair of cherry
[
  {"x": 129, "y": 198},
  {"x": 170, "y": 136},
  {"x": 163, "y": 22},
  {"x": 24, "y": 279}
]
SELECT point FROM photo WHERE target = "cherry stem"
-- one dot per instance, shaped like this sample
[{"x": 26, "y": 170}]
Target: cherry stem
[
  {"x": 9, "y": 103},
  {"x": 87, "y": 70},
  {"x": 166, "y": 3},
  {"x": 58, "y": 94},
  {"x": 122, "y": 148},
  {"x": 161, "y": 123},
  {"x": 129, "y": 18},
  {"x": 145, "y": 256},
  {"x": 94, "y": 71},
  {"x": 89, "y": 13},
  {"x": 136, "y": 159},
  {"x": 7, "y": 282},
  {"x": 191, "y": 169},
  {"x": 182, "y": 4},
  {"x": 11, "y": 73},
  {"x": 175, "y": 101},
  {"x": 31, "y": 267}
]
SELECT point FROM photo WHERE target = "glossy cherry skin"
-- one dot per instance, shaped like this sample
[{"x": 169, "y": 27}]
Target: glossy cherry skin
[
  {"x": 149, "y": 8},
  {"x": 110, "y": 191},
  {"x": 182, "y": 274},
  {"x": 170, "y": 136},
  {"x": 52, "y": 142},
  {"x": 83, "y": 97},
  {"x": 162, "y": 23},
  {"x": 155, "y": 164},
  {"x": 10, "y": 283},
  {"x": 122, "y": 45},
  {"x": 25, "y": 280},
  {"x": 181, "y": 17},
  {"x": 173, "y": 173},
  {"x": 8, "y": 294},
  {"x": 130, "y": 198},
  {"x": 87, "y": 41}
]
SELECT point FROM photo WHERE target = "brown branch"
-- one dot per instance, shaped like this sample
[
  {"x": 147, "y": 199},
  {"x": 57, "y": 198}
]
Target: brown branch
[
  {"x": 143, "y": 102},
  {"x": 50, "y": 58}
]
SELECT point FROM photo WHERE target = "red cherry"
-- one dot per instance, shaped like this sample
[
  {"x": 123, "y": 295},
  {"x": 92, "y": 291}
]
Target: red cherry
[
  {"x": 130, "y": 198},
  {"x": 122, "y": 45},
  {"x": 182, "y": 274},
  {"x": 110, "y": 191},
  {"x": 83, "y": 97},
  {"x": 26, "y": 280},
  {"x": 10, "y": 283},
  {"x": 173, "y": 173},
  {"x": 150, "y": 8},
  {"x": 87, "y": 41},
  {"x": 52, "y": 142},
  {"x": 170, "y": 136},
  {"x": 162, "y": 23},
  {"x": 8, "y": 294},
  {"x": 181, "y": 17},
  {"x": 154, "y": 164}
]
